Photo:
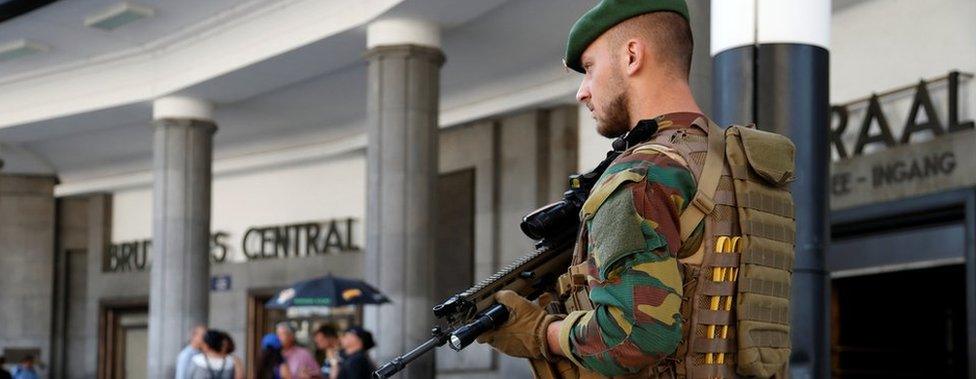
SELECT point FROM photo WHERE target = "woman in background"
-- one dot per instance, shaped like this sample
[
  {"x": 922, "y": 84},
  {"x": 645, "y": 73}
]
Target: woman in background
[
  {"x": 271, "y": 364},
  {"x": 228, "y": 348},
  {"x": 213, "y": 363}
]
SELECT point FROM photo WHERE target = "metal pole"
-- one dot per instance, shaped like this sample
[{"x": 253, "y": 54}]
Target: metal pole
[
  {"x": 792, "y": 100},
  {"x": 777, "y": 77}
]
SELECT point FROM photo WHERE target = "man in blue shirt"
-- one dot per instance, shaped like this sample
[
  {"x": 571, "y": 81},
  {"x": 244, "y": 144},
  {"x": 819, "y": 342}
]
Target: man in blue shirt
[
  {"x": 25, "y": 370},
  {"x": 192, "y": 348}
]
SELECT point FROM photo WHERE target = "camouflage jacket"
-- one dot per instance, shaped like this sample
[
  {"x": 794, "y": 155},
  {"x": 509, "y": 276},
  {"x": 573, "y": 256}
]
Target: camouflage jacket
[{"x": 629, "y": 243}]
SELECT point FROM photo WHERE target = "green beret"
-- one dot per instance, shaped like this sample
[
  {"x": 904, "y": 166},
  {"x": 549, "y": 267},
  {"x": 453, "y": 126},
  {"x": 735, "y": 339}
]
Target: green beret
[{"x": 606, "y": 15}]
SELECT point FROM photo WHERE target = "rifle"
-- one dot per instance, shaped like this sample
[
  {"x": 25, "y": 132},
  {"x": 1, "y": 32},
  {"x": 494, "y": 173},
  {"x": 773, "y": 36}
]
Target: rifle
[{"x": 554, "y": 227}]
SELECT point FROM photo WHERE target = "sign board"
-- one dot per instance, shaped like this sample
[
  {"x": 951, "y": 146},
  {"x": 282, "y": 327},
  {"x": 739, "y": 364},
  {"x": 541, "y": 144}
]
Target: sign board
[
  {"x": 904, "y": 171},
  {"x": 258, "y": 243},
  {"x": 892, "y": 146},
  {"x": 220, "y": 283}
]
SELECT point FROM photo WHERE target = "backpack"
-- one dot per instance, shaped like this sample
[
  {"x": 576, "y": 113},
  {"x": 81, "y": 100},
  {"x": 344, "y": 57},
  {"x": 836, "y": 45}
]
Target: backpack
[{"x": 737, "y": 283}]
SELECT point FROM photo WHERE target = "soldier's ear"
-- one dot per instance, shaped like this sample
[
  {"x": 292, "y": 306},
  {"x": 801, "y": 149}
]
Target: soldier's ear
[{"x": 636, "y": 55}]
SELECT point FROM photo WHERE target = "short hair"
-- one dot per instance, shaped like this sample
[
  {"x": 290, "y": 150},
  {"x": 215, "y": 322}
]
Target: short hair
[
  {"x": 668, "y": 33},
  {"x": 327, "y": 330}
]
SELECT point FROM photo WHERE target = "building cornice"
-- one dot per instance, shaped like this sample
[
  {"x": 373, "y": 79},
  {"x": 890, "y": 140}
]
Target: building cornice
[{"x": 242, "y": 36}]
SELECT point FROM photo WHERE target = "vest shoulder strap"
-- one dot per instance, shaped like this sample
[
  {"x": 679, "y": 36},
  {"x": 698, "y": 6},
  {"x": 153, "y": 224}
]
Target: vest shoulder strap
[{"x": 703, "y": 203}]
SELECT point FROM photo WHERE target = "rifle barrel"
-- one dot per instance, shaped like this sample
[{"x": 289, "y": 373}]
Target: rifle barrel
[{"x": 397, "y": 364}]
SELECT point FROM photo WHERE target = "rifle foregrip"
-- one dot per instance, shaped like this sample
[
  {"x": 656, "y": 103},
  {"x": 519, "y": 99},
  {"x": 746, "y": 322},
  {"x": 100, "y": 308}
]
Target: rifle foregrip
[{"x": 491, "y": 318}]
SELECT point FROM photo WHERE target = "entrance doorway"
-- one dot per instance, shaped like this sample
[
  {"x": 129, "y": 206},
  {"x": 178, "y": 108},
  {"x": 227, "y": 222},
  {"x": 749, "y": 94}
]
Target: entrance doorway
[
  {"x": 124, "y": 340},
  {"x": 454, "y": 251},
  {"x": 305, "y": 320},
  {"x": 906, "y": 324}
]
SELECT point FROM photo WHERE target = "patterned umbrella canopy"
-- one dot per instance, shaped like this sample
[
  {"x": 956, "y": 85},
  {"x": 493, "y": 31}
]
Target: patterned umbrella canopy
[{"x": 327, "y": 291}]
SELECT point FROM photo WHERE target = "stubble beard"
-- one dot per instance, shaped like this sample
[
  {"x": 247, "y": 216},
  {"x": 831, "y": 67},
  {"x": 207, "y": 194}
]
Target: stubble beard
[{"x": 617, "y": 119}]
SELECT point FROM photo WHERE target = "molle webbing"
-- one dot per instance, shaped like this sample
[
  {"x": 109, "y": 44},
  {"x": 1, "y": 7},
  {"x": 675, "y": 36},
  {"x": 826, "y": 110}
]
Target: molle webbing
[
  {"x": 737, "y": 285},
  {"x": 709, "y": 347},
  {"x": 717, "y": 287},
  {"x": 764, "y": 287},
  {"x": 777, "y": 314},
  {"x": 769, "y": 255},
  {"x": 763, "y": 225},
  {"x": 775, "y": 203},
  {"x": 762, "y": 166}
]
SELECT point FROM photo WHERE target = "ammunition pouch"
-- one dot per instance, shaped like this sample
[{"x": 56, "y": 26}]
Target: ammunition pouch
[{"x": 572, "y": 287}]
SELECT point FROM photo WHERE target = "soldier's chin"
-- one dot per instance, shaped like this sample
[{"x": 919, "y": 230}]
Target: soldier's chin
[{"x": 609, "y": 131}]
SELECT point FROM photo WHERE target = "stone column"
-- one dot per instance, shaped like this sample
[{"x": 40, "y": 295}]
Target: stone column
[
  {"x": 27, "y": 222},
  {"x": 180, "y": 266},
  {"x": 402, "y": 107}
]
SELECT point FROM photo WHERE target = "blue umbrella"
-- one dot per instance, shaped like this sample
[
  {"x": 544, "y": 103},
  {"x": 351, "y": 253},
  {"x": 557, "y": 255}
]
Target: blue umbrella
[{"x": 327, "y": 291}]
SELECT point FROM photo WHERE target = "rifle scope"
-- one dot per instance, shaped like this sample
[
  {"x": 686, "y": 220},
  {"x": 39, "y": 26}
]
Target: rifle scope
[{"x": 550, "y": 220}]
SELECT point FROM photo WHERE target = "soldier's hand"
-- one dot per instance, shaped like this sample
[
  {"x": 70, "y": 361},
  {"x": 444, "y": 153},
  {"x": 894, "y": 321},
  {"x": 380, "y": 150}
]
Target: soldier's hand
[{"x": 524, "y": 334}]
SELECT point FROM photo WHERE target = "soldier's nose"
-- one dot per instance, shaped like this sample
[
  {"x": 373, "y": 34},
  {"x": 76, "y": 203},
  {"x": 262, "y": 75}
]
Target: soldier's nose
[{"x": 583, "y": 95}]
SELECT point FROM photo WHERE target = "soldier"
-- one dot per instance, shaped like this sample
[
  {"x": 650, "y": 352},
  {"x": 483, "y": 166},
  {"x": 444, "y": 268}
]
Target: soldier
[{"x": 624, "y": 292}]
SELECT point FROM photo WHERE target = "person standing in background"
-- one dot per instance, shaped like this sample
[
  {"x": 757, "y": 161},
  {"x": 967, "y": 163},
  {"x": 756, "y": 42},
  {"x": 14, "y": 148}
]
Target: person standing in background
[
  {"x": 300, "y": 362},
  {"x": 193, "y": 347},
  {"x": 356, "y": 363},
  {"x": 271, "y": 364},
  {"x": 212, "y": 363},
  {"x": 227, "y": 348},
  {"x": 327, "y": 340},
  {"x": 25, "y": 370}
]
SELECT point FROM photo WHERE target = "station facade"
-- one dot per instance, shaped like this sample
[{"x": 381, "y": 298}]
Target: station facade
[{"x": 288, "y": 188}]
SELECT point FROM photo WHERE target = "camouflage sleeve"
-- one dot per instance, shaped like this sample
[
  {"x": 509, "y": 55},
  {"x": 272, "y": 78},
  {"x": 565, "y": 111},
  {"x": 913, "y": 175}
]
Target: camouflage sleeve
[{"x": 634, "y": 279}]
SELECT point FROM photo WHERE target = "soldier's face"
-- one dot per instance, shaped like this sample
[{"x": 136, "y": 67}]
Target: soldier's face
[{"x": 603, "y": 90}]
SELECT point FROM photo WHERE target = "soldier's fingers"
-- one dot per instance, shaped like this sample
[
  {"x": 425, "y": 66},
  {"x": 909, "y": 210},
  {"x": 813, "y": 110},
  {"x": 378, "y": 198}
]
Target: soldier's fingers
[
  {"x": 509, "y": 298},
  {"x": 504, "y": 294}
]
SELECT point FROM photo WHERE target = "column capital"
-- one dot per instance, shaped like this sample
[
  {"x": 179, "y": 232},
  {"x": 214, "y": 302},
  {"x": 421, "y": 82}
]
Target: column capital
[
  {"x": 737, "y": 23},
  {"x": 403, "y": 31},
  {"x": 180, "y": 107},
  {"x": 401, "y": 51}
]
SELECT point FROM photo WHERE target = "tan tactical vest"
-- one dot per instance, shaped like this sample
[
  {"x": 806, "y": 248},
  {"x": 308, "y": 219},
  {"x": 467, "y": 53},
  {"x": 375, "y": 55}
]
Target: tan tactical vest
[{"x": 735, "y": 307}]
